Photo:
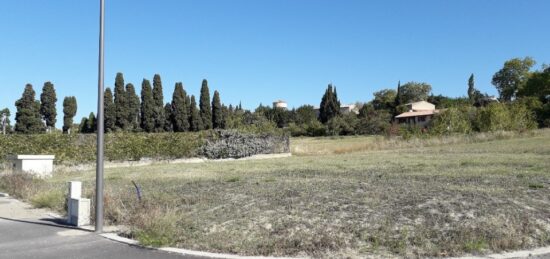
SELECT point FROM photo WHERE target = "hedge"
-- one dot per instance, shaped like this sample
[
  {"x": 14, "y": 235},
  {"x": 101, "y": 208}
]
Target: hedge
[{"x": 81, "y": 148}]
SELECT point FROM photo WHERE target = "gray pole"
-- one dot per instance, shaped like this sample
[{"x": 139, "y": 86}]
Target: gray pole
[{"x": 100, "y": 127}]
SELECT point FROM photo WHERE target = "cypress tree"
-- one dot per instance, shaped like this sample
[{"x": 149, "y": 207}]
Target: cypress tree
[
  {"x": 48, "y": 100},
  {"x": 330, "y": 105},
  {"x": 5, "y": 126},
  {"x": 27, "y": 117},
  {"x": 147, "y": 107},
  {"x": 217, "y": 113},
  {"x": 109, "y": 111},
  {"x": 204, "y": 106},
  {"x": 195, "y": 121},
  {"x": 168, "y": 118},
  {"x": 471, "y": 89},
  {"x": 133, "y": 106},
  {"x": 180, "y": 110},
  {"x": 225, "y": 115},
  {"x": 91, "y": 123},
  {"x": 159, "y": 103},
  {"x": 121, "y": 104},
  {"x": 84, "y": 126},
  {"x": 69, "y": 111}
]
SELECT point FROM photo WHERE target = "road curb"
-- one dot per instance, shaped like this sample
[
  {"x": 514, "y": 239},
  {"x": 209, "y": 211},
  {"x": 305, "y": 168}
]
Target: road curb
[{"x": 117, "y": 238}]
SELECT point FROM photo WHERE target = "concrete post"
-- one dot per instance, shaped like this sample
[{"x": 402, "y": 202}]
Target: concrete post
[{"x": 78, "y": 211}]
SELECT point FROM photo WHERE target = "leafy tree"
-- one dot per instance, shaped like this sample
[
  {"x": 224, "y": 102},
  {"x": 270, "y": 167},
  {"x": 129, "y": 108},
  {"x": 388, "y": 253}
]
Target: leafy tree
[
  {"x": 330, "y": 105},
  {"x": 452, "y": 120},
  {"x": 538, "y": 85},
  {"x": 168, "y": 118},
  {"x": 413, "y": 92},
  {"x": 195, "y": 121},
  {"x": 27, "y": 117},
  {"x": 180, "y": 110},
  {"x": 441, "y": 101},
  {"x": 109, "y": 111},
  {"x": 204, "y": 106},
  {"x": 217, "y": 114},
  {"x": 5, "y": 112},
  {"x": 48, "y": 100},
  {"x": 384, "y": 99},
  {"x": 342, "y": 125},
  {"x": 69, "y": 111},
  {"x": 158, "y": 97},
  {"x": 512, "y": 77},
  {"x": 133, "y": 106},
  {"x": 147, "y": 107},
  {"x": 373, "y": 121},
  {"x": 305, "y": 114},
  {"x": 122, "y": 109}
]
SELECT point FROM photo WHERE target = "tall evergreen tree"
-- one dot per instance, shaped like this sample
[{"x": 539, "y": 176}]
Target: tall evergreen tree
[
  {"x": 83, "y": 127},
  {"x": 180, "y": 109},
  {"x": 48, "y": 100},
  {"x": 217, "y": 113},
  {"x": 471, "y": 88},
  {"x": 159, "y": 103},
  {"x": 109, "y": 111},
  {"x": 5, "y": 125},
  {"x": 168, "y": 118},
  {"x": 147, "y": 107},
  {"x": 204, "y": 106},
  {"x": 91, "y": 123},
  {"x": 195, "y": 121},
  {"x": 69, "y": 111},
  {"x": 27, "y": 117},
  {"x": 133, "y": 106},
  {"x": 122, "y": 109},
  {"x": 330, "y": 105}
]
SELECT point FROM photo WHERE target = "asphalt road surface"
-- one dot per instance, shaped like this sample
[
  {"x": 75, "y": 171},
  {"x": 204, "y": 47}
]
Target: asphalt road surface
[
  {"x": 27, "y": 239},
  {"x": 34, "y": 233}
]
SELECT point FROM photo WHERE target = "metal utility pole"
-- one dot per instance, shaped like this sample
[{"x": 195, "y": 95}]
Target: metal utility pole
[{"x": 100, "y": 126}]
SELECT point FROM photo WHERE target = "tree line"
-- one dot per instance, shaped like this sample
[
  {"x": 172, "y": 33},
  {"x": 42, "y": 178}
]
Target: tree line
[
  {"x": 524, "y": 102},
  {"x": 521, "y": 90}
]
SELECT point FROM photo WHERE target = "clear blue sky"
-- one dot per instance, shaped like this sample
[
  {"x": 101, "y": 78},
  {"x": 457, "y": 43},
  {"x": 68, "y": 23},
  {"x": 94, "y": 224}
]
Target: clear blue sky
[{"x": 258, "y": 51}]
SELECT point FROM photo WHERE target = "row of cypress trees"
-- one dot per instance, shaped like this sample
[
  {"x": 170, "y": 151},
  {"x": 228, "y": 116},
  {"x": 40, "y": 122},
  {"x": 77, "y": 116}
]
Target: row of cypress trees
[
  {"x": 38, "y": 116},
  {"x": 126, "y": 111}
]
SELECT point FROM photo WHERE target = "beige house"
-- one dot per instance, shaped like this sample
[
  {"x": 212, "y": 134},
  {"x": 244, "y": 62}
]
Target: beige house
[{"x": 419, "y": 114}]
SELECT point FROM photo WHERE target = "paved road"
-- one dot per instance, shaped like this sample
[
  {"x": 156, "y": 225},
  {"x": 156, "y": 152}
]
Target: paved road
[{"x": 28, "y": 233}]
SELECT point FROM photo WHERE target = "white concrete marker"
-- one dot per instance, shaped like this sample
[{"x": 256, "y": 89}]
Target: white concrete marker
[{"x": 78, "y": 211}]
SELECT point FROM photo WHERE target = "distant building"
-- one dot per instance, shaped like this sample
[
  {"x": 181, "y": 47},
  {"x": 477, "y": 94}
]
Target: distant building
[
  {"x": 419, "y": 114},
  {"x": 280, "y": 104},
  {"x": 344, "y": 109}
]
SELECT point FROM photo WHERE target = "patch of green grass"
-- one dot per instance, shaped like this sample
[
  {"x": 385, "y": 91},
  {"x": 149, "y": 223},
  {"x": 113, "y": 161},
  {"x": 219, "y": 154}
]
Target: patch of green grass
[
  {"x": 233, "y": 179},
  {"x": 52, "y": 199},
  {"x": 475, "y": 246},
  {"x": 536, "y": 185}
]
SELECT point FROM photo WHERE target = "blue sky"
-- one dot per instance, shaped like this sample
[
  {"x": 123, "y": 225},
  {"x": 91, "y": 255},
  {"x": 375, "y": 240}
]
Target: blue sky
[{"x": 258, "y": 51}]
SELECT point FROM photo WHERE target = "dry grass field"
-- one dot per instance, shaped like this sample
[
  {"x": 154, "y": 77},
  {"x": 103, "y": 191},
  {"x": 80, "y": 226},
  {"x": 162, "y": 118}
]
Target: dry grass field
[{"x": 339, "y": 197}]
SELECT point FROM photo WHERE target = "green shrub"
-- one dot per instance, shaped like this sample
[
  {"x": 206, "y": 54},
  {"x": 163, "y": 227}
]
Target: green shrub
[
  {"x": 493, "y": 117},
  {"x": 452, "y": 120}
]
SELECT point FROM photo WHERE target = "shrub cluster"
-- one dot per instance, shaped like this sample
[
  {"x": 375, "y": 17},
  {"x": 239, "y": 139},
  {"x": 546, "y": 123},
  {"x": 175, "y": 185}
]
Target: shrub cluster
[
  {"x": 493, "y": 117},
  {"x": 234, "y": 144}
]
